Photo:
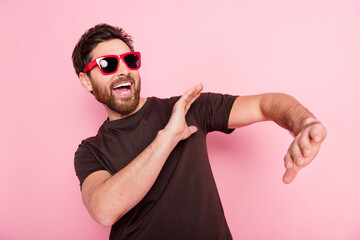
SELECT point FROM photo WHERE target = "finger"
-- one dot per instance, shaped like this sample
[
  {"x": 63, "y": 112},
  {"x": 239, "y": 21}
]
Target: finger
[
  {"x": 186, "y": 98},
  {"x": 192, "y": 95},
  {"x": 305, "y": 145},
  {"x": 288, "y": 161},
  {"x": 296, "y": 154},
  {"x": 195, "y": 90},
  {"x": 317, "y": 133},
  {"x": 188, "y": 93},
  {"x": 290, "y": 174}
]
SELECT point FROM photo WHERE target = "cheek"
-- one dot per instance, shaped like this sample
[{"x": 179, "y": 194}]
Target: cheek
[
  {"x": 97, "y": 74},
  {"x": 136, "y": 76},
  {"x": 101, "y": 83}
]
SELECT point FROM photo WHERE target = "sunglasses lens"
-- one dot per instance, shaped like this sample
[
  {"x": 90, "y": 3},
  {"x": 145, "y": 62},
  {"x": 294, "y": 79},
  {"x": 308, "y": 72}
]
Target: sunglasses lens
[
  {"x": 132, "y": 60},
  {"x": 109, "y": 64}
]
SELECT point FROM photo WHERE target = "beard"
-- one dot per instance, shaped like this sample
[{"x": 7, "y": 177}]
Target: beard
[{"x": 123, "y": 106}]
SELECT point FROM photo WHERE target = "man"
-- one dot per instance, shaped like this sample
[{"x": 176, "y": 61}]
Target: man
[{"x": 146, "y": 173}]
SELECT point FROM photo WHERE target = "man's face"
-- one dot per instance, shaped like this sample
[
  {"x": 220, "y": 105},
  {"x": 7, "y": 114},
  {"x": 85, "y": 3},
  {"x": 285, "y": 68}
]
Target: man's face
[{"x": 120, "y": 91}]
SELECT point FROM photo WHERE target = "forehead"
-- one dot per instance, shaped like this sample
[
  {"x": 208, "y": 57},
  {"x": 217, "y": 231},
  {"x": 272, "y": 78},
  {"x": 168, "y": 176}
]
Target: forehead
[{"x": 110, "y": 47}]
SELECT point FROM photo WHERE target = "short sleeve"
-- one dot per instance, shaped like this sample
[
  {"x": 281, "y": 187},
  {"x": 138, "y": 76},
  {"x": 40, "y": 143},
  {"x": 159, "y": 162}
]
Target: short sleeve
[
  {"x": 212, "y": 111},
  {"x": 85, "y": 163}
]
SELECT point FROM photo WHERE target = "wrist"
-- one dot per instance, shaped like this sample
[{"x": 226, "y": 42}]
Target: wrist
[
  {"x": 306, "y": 123},
  {"x": 169, "y": 136},
  {"x": 310, "y": 121},
  {"x": 300, "y": 125}
]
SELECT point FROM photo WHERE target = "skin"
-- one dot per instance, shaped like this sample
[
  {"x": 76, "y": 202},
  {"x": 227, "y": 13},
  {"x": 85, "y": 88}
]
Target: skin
[
  {"x": 100, "y": 83},
  {"x": 108, "y": 197}
]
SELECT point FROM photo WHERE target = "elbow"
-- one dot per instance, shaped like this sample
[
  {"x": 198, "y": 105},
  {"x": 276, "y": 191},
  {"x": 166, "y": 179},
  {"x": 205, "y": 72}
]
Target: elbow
[
  {"x": 104, "y": 221},
  {"x": 105, "y": 216}
]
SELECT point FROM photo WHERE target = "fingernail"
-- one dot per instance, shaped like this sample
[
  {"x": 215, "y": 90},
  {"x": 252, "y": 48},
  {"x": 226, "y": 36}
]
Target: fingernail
[{"x": 300, "y": 161}]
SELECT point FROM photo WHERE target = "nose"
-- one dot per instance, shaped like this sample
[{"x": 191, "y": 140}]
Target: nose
[{"x": 123, "y": 69}]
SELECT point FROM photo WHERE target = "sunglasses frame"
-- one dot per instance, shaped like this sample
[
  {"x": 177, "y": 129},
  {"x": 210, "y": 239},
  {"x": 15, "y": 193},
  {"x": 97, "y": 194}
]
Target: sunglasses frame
[{"x": 96, "y": 62}]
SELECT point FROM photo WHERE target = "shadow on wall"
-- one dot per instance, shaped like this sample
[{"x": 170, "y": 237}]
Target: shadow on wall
[{"x": 241, "y": 144}]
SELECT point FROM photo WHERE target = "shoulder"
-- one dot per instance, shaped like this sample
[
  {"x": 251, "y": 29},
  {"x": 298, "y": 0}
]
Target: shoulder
[
  {"x": 164, "y": 101},
  {"x": 95, "y": 140}
]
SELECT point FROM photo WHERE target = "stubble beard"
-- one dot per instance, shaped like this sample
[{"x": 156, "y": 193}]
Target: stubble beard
[{"x": 123, "y": 106}]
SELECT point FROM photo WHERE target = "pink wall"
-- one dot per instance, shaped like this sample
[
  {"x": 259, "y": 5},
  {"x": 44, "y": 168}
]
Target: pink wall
[{"x": 309, "y": 49}]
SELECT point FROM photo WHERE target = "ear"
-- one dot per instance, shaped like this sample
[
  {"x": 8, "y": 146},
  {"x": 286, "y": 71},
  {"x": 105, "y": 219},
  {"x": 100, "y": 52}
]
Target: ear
[{"x": 85, "y": 81}]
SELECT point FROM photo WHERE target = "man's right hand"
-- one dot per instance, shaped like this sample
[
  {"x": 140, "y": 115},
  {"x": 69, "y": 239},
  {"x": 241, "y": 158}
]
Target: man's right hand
[{"x": 177, "y": 124}]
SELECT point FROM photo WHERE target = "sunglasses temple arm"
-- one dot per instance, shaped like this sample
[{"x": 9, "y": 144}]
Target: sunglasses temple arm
[{"x": 90, "y": 66}]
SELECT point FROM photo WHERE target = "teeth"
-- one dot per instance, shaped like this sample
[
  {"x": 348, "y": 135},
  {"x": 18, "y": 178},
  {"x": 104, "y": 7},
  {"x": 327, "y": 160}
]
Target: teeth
[{"x": 123, "y": 85}]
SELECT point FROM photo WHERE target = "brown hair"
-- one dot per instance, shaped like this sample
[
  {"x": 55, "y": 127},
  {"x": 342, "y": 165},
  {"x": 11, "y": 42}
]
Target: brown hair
[{"x": 92, "y": 37}]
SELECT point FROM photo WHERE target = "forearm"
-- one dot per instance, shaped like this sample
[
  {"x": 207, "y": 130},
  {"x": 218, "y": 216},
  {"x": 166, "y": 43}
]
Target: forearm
[
  {"x": 108, "y": 198},
  {"x": 122, "y": 191},
  {"x": 286, "y": 111}
]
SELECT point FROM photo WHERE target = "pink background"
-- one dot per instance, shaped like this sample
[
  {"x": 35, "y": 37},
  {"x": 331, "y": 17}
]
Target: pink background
[{"x": 309, "y": 49}]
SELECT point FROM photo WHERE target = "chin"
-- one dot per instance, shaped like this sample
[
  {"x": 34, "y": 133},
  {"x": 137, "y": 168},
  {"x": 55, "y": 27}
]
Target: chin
[{"x": 126, "y": 107}]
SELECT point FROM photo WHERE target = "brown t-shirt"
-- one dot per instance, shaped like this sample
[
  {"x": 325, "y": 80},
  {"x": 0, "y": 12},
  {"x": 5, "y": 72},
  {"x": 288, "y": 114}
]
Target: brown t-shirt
[{"x": 184, "y": 202}]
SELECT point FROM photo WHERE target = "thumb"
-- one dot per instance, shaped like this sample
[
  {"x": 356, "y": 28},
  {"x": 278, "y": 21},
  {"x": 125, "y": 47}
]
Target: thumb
[
  {"x": 193, "y": 129},
  {"x": 188, "y": 132}
]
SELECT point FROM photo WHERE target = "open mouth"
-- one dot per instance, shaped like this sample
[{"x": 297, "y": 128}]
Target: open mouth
[{"x": 124, "y": 89}]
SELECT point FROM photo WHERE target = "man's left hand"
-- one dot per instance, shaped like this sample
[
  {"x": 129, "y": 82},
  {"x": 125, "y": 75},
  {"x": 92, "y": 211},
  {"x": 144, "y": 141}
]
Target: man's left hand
[{"x": 303, "y": 149}]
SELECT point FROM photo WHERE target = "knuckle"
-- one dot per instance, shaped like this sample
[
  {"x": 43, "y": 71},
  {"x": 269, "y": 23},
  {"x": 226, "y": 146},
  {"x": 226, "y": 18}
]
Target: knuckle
[
  {"x": 295, "y": 154},
  {"x": 304, "y": 145}
]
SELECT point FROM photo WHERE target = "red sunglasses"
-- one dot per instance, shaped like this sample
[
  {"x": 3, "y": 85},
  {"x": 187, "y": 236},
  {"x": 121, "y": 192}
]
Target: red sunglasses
[{"x": 109, "y": 64}]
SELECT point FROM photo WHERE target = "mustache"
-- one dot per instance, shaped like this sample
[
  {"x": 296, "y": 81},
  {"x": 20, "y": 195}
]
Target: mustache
[{"x": 121, "y": 79}]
